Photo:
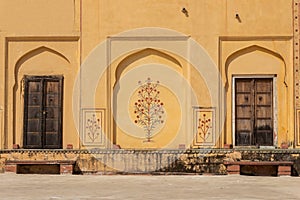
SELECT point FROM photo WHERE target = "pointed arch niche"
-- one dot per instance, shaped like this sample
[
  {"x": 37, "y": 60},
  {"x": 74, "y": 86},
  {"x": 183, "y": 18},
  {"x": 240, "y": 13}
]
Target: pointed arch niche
[
  {"x": 41, "y": 61},
  {"x": 138, "y": 66},
  {"x": 256, "y": 62}
]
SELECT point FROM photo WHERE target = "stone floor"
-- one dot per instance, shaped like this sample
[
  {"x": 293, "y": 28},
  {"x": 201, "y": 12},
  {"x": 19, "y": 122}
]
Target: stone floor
[{"x": 57, "y": 187}]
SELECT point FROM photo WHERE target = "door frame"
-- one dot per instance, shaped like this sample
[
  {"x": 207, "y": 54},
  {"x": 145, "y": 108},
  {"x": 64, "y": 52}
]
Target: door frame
[
  {"x": 275, "y": 110},
  {"x": 60, "y": 78}
]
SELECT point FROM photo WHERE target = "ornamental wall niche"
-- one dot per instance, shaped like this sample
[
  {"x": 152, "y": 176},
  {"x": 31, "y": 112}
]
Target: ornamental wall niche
[
  {"x": 258, "y": 61},
  {"x": 37, "y": 57},
  {"x": 204, "y": 126},
  {"x": 28, "y": 64},
  {"x": 154, "y": 111}
]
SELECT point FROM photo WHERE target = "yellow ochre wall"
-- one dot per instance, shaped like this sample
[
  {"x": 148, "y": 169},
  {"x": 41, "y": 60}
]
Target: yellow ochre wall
[{"x": 240, "y": 37}]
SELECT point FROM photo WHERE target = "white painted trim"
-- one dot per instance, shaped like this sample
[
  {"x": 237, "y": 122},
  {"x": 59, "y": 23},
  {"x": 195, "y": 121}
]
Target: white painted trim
[
  {"x": 233, "y": 110},
  {"x": 1, "y": 129},
  {"x": 275, "y": 109},
  {"x": 275, "y": 112}
]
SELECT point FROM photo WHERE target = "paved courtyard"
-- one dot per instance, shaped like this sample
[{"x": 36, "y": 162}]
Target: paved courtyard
[{"x": 58, "y": 187}]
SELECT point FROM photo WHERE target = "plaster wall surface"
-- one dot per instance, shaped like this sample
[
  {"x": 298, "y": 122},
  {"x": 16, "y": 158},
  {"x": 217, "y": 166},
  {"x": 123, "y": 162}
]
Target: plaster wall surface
[{"x": 57, "y": 37}]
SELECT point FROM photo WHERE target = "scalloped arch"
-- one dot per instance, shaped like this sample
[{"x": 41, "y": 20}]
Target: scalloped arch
[
  {"x": 34, "y": 52},
  {"x": 133, "y": 57},
  {"x": 247, "y": 50}
]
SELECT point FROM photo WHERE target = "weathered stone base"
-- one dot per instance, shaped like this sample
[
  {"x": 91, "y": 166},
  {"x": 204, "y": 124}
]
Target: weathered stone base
[
  {"x": 272, "y": 168},
  {"x": 156, "y": 162},
  {"x": 40, "y": 166}
]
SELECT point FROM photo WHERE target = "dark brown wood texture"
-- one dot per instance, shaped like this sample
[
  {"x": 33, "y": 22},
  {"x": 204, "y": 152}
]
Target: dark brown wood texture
[
  {"x": 43, "y": 112},
  {"x": 254, "y": 111}
]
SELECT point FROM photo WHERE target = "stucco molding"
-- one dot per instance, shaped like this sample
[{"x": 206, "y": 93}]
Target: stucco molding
[
  {"x": 256, "y": 38},
  {"x": 41, "y": 38},
  {"x": 148, "y": 38}
]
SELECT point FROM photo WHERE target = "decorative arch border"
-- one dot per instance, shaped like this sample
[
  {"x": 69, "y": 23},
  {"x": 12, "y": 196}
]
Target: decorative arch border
[
  {"x": 109, "y": 60},
  {"x": 130, "y": 58},
  {"x": 143, "y": 53},
  {"x": 32, "y": 53},
  {"x": 25, "y": 57},
  {"x": 8, "y": 131},
  {"x": 244, "y": 51},
  {"x": 247, "y": 50}
]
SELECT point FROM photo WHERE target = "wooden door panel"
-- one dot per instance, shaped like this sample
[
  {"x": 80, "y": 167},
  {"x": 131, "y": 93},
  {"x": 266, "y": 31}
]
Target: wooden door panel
[
  {"x": 42, "y": 112},
  {"x": 264, "y": 138},
  {"x": 263, "y": 128},
  {"x": 53, "y": 87},
  {"x": 243, "y": 138},
  {"x": 264, "y": 124},
  {"x": 52, "y": 100},
  {"x": 244, "y": 112},
  {"x": 263, "y": 85},
  {"x": 34, "y": 140},
  {"x": 34, "y": 86},
  {"x": 243, "y": 85},
  {"x": 243, "y": 125},
  {"x": 33, "y": 125},
  {"x": 254, "y": 111},
  {"x": 263, "y": 112},
  {"x": 264, "y": 99},
  {"x": 52, "y": 139},
  {"x": 35, "y": 99},
  {"x": 53, "y": 113},
  {"x": 52, "y": 125},
  {"x": 243, "y": 99},
  {"x": 34, "y": 112}
]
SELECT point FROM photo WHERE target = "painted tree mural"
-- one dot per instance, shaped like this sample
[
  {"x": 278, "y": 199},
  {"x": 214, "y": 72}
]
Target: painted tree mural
[
  {"x": 148, "y": 109},
  {"x": 204, "y": 126},
  {"x": 93, "y": 127}
]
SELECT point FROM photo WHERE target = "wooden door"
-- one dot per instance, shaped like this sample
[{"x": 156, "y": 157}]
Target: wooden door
[
  {"x": 43, "y": 112},
  {"x": 254, "y": 111}
]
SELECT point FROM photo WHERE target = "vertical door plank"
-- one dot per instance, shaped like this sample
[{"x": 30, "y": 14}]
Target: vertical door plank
[
  {"x": 263, "y": 129},
  {"x": 243, "y": 102},
  {"x": 53, "y": 113},
  {"x": 33, "y": 100}
]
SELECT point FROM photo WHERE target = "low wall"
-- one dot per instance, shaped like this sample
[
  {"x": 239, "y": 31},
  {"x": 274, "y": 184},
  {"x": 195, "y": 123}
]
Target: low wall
[{"x": 196, "y": 161}]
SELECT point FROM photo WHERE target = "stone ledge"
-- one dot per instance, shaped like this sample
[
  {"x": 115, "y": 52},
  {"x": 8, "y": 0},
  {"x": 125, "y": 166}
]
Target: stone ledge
[
  {"x": 277, "y": 163},
  {"x": 168, "y": 151},
  {"x": 66, "y": 166},
  {"x": 39, "y": 162},
  {"x": 165, "y": 160},
  {"x": 283, "y": 167}
]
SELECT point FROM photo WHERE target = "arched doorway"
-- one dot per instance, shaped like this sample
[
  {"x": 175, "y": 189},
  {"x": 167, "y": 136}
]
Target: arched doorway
[
  {"x": 256, "y": 95},
  {"x": 38, "y": 98}
]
